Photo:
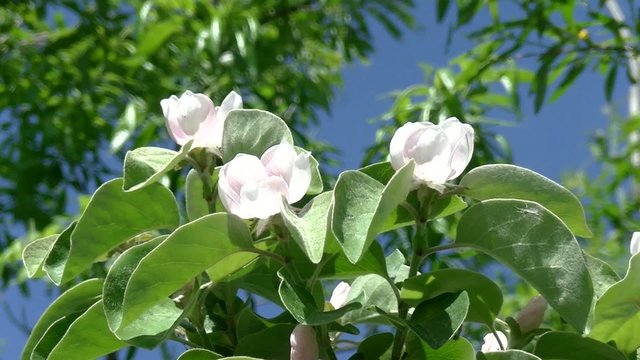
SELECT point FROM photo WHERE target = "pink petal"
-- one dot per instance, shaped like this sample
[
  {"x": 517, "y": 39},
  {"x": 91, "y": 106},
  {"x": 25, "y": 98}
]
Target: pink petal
[
  {"x": 170, "y": 111},
  {"x": 339, "y": 295},
  {"x": 279, "y": 159},
  {"x": 461, "y": 137},
  {"x": 303, "y": 343},
  {"x": 300, "y": 178},
  {"x": 242, "y": 169},
  {"x": 231, "y": 102}
]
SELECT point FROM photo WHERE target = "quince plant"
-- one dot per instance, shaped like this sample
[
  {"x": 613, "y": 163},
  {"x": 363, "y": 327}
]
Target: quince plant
[{"x": 255, "y": 222}]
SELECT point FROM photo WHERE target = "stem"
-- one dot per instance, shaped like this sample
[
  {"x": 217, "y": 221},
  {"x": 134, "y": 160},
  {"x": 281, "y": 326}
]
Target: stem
[
  {"x": 326, "y": 343},
  {"x": 419, "y": 240},
  {"x": 279, "y": 258},
  {"x": 434, "y": 249},
  {"x": 318, "y": 270},
  {"x": 208, "y": 191}
]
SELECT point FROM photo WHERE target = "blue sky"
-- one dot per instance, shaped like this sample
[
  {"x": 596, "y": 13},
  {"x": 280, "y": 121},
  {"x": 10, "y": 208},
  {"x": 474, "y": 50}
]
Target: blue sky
[{"x": 551, "y": 142}]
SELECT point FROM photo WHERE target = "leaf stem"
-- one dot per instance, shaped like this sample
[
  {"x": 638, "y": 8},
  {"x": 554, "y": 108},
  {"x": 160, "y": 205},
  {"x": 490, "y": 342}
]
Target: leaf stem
[
  {"x": 326, "y": 343},
  {"x": 434, "y": 249},
  {"x": 277, "y": 257},
  {"x": 209, "y": 191},
  {"x": 420, "y": 238}
]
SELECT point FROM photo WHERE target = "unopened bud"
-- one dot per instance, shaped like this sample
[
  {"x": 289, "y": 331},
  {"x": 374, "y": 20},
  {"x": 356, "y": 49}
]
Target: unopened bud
[
  {"x": 303, "y": 343},
  {"x": 531, "y": 316}
]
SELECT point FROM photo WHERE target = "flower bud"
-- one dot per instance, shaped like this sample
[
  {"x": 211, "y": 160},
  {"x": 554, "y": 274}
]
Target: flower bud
[
  {"x": 531, "y": 316},
  {"x": 303, "y": 343},
  {"x": 193, "y": 117},
  {"x": 253, "y": 188},
  {"x": 441, "y": 152},
  {"x": 339, "y": 295},
  {"x": 635, "y": 243},
  {"x": 491, "y": 344}
]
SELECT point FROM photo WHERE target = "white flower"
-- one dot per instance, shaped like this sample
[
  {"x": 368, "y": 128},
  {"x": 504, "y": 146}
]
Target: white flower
[
  {"x": 531, "y": 316},
  {"x": 635, "y": 243},
  {"x": 491, "y": 344},
  {"x": 303, "y": 343},
  {"x": 441, "y": 152},
  {"x": 193, "y": 116},
  {"x": 253, "y": 188},
  {"x": 339, "y": 295}
]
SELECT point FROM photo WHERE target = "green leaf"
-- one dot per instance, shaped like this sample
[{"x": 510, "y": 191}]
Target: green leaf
[
  {"x": 374, "y": 347},
  {"x": 485, "y": 297},
  {"x": 249, "y": 323},
  {"x": 610, "y": 82},
  {"x": 502, "y": 181},
  {"x": 199, "y": 354},
  {"x": 361, "y": 206},
  {"x": 617, "y": 313},
  {"x": 602, "y": 274},
  {"x": 252, "y": 132},
  {"x": 540, "y": 85},
  {"x": 309, "y": 227},
  {"x": 512, "y": 354},
  {"x": 187, "y": 252},
  {"x": 155, "y": 324},
  {"x": 76, "y": 299},
  {"x": 52, "y": 336},
  {"x": 382, "y": 171},
  {"x": 571, "y": 75},
  {"x": 537, "y": 245},
  {"x": 459, "y": 349},
  {"x": 271, "y": 343},
  {"x": 339, "y": 267},
  {"x": 196, "y": 205},
  {"x": 571, "y": 346},
  {"x": 303, "y": 306},
  {"x": 35, "y": 253},
  {"x": 445, "y": 206},
  {"x": 371, "y": 291},
  {"x": 436, "y": 320},
  {"x": 88, "y": 337},
  {"x": 112, "y": 217},
  {"x": 57, "y": 257},
  {"x": 146, "y": 165}
]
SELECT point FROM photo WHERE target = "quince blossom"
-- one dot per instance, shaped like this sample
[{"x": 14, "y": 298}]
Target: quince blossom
[
  {"x": 441, "y": 152},
  {"x": 253, "y": 188},
  {"x": 193, "y": 116},
  {"x": 532, "y": 315}
]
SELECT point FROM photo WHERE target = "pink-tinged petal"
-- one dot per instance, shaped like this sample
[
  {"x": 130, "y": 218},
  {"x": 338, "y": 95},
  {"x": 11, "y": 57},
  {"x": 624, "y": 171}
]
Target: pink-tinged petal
[
  {"x": 435, "y": 172},
  {"x": 635, "y": 243},
  {"x": 303, "y": 343},
  {"x": 461, "y": 137},
  {"x": 279, "y": 159},
  {"x": 231, "y": 102},
  {"x": 263, "y": 199},
  {"x": 491, "y": 344},
  {"x": 405, "y": 137},
  {"x": 209, "y": 133},
  {"x": 193, "y": 110},
  {"x": 300, "y": 178},
  {"x": 228, "y": 196},
  {"x": 339, "y": 295},
  {"x": 170, "y": 111},
  {"x": 242, "y": 169}
]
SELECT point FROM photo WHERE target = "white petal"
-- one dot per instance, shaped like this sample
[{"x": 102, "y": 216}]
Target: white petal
[
  {"x": 193, "y": 109},
  {"x": 231, "y": 102},
  {"x": 279, "y": 160},
  {"x": 170, "y": 111},
  {"x": 263, "y": 199},
  {"x": 432, "y": 154},
  {"x": 491, "y": 343},
  {"x": 243, "y": 171},
  {"x": 339, "y": 295},
  {"x": 301, "y": 178},
  {"x": 461, "y": 136},
  {"x": 404, "y": 138},
  {"x": 635, "y": 243}
]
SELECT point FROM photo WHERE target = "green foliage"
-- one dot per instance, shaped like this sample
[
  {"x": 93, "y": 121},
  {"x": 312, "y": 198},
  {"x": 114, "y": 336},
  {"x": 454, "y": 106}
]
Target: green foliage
[{"x": 535, "y": 244}]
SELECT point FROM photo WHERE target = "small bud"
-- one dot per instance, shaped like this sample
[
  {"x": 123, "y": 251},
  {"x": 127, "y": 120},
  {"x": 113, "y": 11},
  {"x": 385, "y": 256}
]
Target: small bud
[
  {"x": 339, "y": 295},
  {"x": 303, "y": 343},
  {"x": 491, "y": 344},
  {"x": 531, "y": 316}
]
